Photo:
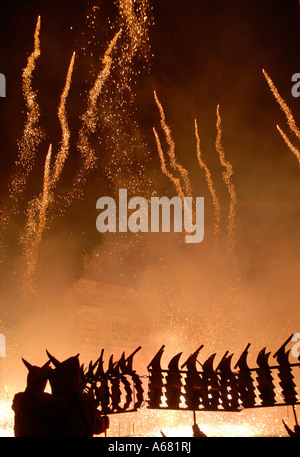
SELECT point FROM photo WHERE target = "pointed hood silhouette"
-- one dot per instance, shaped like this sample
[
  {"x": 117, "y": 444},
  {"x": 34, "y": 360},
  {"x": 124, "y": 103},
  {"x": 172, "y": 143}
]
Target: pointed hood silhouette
[
  {"x": 65, "y": 378},
  {"x": 37, "y": 376}
]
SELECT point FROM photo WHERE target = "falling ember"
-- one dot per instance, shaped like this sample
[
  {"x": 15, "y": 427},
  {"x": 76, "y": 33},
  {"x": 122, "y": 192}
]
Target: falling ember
[
  {"x": 32, "y": 135},
  {"x": 122, "y": 139},
  {"x": 173, "y": 179},
  {"x": 64, "y": 150},
  {"x": 227, "y": 175},
  {"x": 171, "y": 151},
  {"x": 135, "y": 19},
  {"x": 210, "y": 183},
  {"x": 127, "y": 11},
  {"x": 289, "y": 144}
]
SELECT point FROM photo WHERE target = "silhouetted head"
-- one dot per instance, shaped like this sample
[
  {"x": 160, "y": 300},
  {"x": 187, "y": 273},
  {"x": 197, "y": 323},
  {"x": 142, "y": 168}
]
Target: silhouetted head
[
  {"x": 262, "y": 358},
  {"x": 65, "y": 378},
  {"x": 37, "y": 376}
]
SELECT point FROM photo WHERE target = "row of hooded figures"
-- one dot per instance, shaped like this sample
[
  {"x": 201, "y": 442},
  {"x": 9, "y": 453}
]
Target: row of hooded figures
[
  {"x": 82, "y": 398},
  {"x": 221, "y": 388}
]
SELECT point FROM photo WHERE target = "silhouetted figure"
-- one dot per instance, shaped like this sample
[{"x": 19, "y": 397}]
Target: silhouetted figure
[
  {"x": 127, "y": 369},
  {"x": 66, "y": 412},
  {"x": 113, "y": 374},
  {"x": 193, "y": 382},
  {"x": 156, "y": 380},
  {"x": 265, "y": 379},
  {"x": 285, "y": 375},
  {"x": 173, "y": 383},
  {"x": 229, "y": 394},
  {"x": 245, "y": 381},
  {"x": 71, "y": 412},
  {"x": 211, "y": 383},
  {"x": 108, "y": 387},
  {"x": 125, "y": 382},
  {"x": 100, "y": 387},
  {"x": 27, "y": 405}
]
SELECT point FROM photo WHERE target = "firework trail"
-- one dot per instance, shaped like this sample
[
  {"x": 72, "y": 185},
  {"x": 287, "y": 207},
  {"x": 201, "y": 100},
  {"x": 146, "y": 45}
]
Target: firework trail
[
  {"x": 36, "y": 230},
  {"x": 173, "y": 179},
  {"x": 32, "y": 135},
  {"x": 227, "y": 175},
  {"x": 289, "y": 116},
  {"x": 64, "y": 150},
  {"x": 90, "y": 121},
  {"x": 210, "y": 183},
  {"x": 38, "y": 207},
  {"x": 38, "y": 212},
  {"x": 171, "y": 151},
  {"x": 288, "y": 113},
  {"x": 293, "y": 148}
]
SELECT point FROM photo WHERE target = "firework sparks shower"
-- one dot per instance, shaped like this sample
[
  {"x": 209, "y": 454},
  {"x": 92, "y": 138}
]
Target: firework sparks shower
[
  {"x": 90, "y": 121},
  {"x": 40, "y": 212}
]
